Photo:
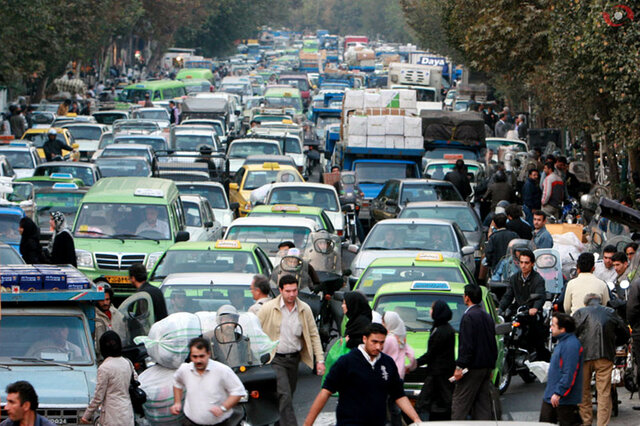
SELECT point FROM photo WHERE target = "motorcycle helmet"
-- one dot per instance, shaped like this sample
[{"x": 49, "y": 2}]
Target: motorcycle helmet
[
  {"x": 291, "y": 262},
  {"x": 52, "y": 132}
]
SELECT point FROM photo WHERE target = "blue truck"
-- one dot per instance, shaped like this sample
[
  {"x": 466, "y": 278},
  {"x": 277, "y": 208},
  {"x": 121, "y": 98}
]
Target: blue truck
[{"x": 9, "y": 219}]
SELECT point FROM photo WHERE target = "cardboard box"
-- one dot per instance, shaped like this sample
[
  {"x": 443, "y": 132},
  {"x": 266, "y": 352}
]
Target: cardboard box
[
  {"x": 372, "y": 100},
  {"x": 354, "y": 99},
  {"x": 394, "y": 141},
  {"x": 390, "y": 98},
  {"x": 394, "y": 125},
  {"x": 9, "y": 278},
  {"x": 363, "y": 55},
  {"x": 357, "y": 125},
  {"x": 376, "y": 141},
  {"x": 357, "y": 141},
  {"x": 413, "y": 127},
  {"x": 414, "y": 142},
  {"x": 30, "y": 281},
  {"x": 53, "y": 280},
  {"x": 376, "y": 125}
]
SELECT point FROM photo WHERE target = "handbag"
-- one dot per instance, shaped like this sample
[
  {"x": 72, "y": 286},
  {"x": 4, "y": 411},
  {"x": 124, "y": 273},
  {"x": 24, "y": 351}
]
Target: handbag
[{"x": 137, "y": 395}]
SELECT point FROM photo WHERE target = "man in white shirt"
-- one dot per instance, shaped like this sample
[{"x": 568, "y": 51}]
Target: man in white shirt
[
  {"x": 585, "y": 283},
  {"x": 213, "y": 389},
  {"x": 605, "y": 270},
  {"x": 153, "y": 224}
]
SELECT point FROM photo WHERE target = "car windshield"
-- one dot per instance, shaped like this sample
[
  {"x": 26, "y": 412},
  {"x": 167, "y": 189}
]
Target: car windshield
[
  {"x": 450, "y": 153},
  {"x": 299, "y": 83},
  {"x": 428, "y": 192},
  {"x": 156, "y": 114},
  {"x": 65, "y": 202},
  {"x": 253, "y": 103},
  {"x": 18, "y": 159},
  {"x": 268, "y": 237},
  {"x": 59, "y": 339},
  {"x": 133, "y": 96},
  {"x": 257, "y": 178},
  {"x": 213, "y": 124},
  {"x": 192, "y": 213},
  {"x": 126, "y": 221},
  {"x": 85, "y": 132},
  {"x": 83, "y": 173},
  {"x": 9, "y": 228},
  {"x": 204, "y": 86},
  {"x": 290, "y": 146},
  {"x": 38, "y": 139},
  {"x": 115, "y": 151},
  {"x": 305, "y": 196},
  {"x": 295, "y": 103},
  {"x": 410, "y": 236},
  {"x": 196, "y": 298},
  {"x": 374, "y": 277},
  {"x": 43, "y": 117},
  {"x": 245, "y": 149},
  {"x": 105, "y": 140},
  {"x": 204, "y": 261},
  {"x": 193, "y": 142},
  {"x": 8, "y": 256},
  {"x": 381, "y": 172},
  {"x": 158, "y": 144},
  {"x": 463, "y": 216},
  {"x": 112, "y": 167},
  {"x": 214, "y": 194},
  {"x": 415, "y": 308},
  {"x": 108, "y": 118},
  {"x": 313, "y": 217},
  {"x": 439, "y": 171},
  {"x": 515, "y": 145}
]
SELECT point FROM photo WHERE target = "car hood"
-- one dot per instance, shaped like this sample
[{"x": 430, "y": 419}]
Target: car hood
[
  {"x": 56, "y": 386},
  {"x": 114, "y": 245},
  {"x": 364, "y": 258}
]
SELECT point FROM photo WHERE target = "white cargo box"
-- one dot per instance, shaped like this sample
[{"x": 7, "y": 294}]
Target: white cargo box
[
  {"x": 354, "y": 99},
  {"x": 390, "y": 98},
  {"x": 413, "y": 127},
  {"x": 376, "y": 125},
  {"x": 407, "y": 99},
  {"x": 357, "y": 141},
  {"x": 392, "y": 141},
  {"x": 376, "y": 141},
  {"x": 414, "y": 143},
  {"x": 394, "y": 125},
  {"x": 357, "y": 125},
  {"x": 372, "y": 100}
]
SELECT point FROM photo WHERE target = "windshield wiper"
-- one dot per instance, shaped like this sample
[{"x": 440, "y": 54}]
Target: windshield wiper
[
  {"x": 5, "y": 366},
  {"x": 101, "y": 233},
  {"x": 43, "y": 361},
  {"x": 410, "y": 248},
  {"x": 377, "y": 248},
  {"x": 135, "y": 236}
]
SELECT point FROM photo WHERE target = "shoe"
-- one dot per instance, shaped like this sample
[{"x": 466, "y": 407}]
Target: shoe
[{"x": 637, "y": 407}]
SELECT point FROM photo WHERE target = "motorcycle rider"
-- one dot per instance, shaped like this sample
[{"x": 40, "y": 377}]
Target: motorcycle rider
[
  {"x": 53, "y": 146},
  {"x": 294, "y": 264},
  {"x": 522, "y": 285}
]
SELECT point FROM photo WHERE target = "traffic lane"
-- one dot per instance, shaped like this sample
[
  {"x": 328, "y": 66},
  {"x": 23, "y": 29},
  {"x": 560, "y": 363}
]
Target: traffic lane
[{"x": 308, "y": 387}]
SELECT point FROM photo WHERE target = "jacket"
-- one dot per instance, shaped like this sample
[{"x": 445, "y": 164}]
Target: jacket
[
  {"x": 579, "y": 287},
  {"x": 40, "y": 421},
  {"x": 271, "y": 318},
  {"x": 17, "y": 125},
  {"x": 112, "y": 393},
  {"x": 477, "y": 339},
  {"x": 30, "y": 247},
  {"x": 497, "y": 192},
  {"x": 54, "y": 148},
  {"x": 553, "y": 191},
  {"x": 542, "y": 238},
  {"x": 600, "y": 330},
  {"x": 104, "y": 323},
  {"x": 521, "y": 290},
  {"x": 497, "y": 245},
  {"x": 565, "y": 371},
  {"x": 460, "y": 181},
  {"x": 520, "y": 227},
  {"x": 440, "y": 356},
  {"x": 633, "y": 306},
  {"x": 64, "y": 250}
]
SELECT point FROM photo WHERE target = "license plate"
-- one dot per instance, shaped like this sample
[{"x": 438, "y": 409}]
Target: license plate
[
  {"x": 58, "y": 421},
  {"x": 117, "y": 279}
]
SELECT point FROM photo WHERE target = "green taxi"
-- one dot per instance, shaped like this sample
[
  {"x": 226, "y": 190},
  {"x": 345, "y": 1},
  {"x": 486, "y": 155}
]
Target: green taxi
[
  {"x": 211, "y": 257},
  {"x": 425, "y": 266},
  {"x": 40, "y": 182},
  {"x": 281, "y": 210},
  {"x": 412, "y": 300}
]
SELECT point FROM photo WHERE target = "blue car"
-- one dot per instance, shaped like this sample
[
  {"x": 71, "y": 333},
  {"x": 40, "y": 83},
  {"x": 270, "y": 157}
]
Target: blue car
[{"x": 9, "y": 220}]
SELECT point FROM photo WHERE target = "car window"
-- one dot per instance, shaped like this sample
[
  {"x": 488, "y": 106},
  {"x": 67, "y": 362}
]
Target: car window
[
  {"x": 192, "y": 213},
  {"x": 194, "y": 298},
  {"x": 268, "y": 237},
  {"x": 415, "y": 308},
  {"x": 18, "y": 159},
  {"x": 83, "y": 173},
  {"x": 305, "y": 196},
  {"x": 410, "y": 236},
  {"x": 257, "y": 178},
  {"x": 463, "y": 216},
  {"x": 9, "y": 228},
  {"x": 427, "y": 192},
  {"x": 204, "y": 261},
  {"x": 374, "y": 277}
]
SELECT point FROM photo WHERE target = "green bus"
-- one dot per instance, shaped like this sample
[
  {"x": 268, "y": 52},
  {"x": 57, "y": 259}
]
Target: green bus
[{"x": 158, "y": 90}]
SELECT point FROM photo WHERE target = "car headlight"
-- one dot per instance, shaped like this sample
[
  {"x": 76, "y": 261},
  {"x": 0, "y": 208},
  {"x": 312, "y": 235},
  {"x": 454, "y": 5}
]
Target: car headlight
[
  {"x": 153, "y": 259},
  {"x": 84, "y": 259},
  {"x": 357, "y": 272}
]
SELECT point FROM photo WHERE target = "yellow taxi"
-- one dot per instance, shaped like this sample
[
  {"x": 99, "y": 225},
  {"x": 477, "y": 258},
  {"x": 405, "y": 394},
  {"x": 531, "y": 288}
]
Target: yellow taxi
[
  {"x": 253, "y": 176},
  {"x": 39, "y": 136}
]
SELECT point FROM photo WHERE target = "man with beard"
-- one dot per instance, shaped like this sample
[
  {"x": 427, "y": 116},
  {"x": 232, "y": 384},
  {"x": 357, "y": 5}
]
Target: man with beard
[{"x": 108, "y": 318}]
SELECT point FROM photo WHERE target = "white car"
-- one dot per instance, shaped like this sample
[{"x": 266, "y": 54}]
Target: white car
[
  {"x": 22, "y": 156},
  {"x": 87, "y": 136},
  {"x": 309, "y": 194},
  {"x": 217, "y": 197},
  {"x": 240, "y": 149},
  {"x": 290, "y": 144},
  {"x": 201, "y": 223},
  {"x": 269, "y": 232},
  {"x": 407, "y": 238},
  {"x": 158, "y": 114}
]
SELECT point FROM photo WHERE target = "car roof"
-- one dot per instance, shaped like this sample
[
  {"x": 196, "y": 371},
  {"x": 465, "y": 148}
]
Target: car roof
[
  {"x": 84, "y": 124},
  {"x": 250, "y": 140},
  {"x": 127, "y": 146},
  {"x": 122, "y": 157},
  {"x": 192, "y": 198},
  {"x": 210, "y": 245},
  {"x": 448, "y": 262},
  {"x": 269, "y": 158},
  {"x": 16, "y": 211},
  {"x": 405, "y": 287},
  {"x": 199, "y": 132},
  {"x": 426, "y": 204},
  {"x": 121, "y": 190},
  {"x": 254, "y": 167},
  {"x": 303, "y": 185},
  {"x": 423, "y": 181},
  {"x": 417, "y": 221},
  {"x": 136, "y": 136},
  {"x": 201, "y": 183},
  {"x": 207, "y": 278},
  {"x": 67, "y": 163},
  {"x": 285, "y": 222},
  {"x": 307, "y": 210},
  {"x": 44, "y": 130}
]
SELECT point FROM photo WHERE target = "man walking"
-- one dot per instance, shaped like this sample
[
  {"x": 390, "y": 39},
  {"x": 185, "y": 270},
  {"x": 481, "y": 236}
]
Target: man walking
[
  {"x": 605, "y": 270},
  {"x": 552, "y": 192},
  {"x": 477, "y": 353},
  {"x": 541, "y": 236},
  {"x": 458, "y": 177},
  {"x": 499, "y": 240},
  {"x": 21, "y": 406},
  {"x": 531, "y": 194},
  {"x": 364, "y": 378},
  {"x": 260, "y": 290},
  {"x": 108, "y": 318},
  {"x": 289, "y": 320},
  {"x": 213, "y": 389},
  {"x": 138, "y": 277},
  {"x": 600, "y": 330},
  {"x": 585, "y": 283},
  {"x": 563, "y": 392}
]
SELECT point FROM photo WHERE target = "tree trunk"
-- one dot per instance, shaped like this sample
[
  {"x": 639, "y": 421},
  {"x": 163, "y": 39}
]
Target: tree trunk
[
  {"x": 42, "y": 85},
  {"x": 612, "y": 164},
  {"x": 589, "y": 157}
]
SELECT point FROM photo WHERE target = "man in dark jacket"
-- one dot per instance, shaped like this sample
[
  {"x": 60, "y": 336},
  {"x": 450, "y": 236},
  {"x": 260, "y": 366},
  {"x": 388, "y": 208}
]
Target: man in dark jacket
[
  {"x": 477, "y": 353},
  {"x": 516, "y": 223},
  {"x": 53, "y": 146},
  {"x": 633, "y": 319},
  {"x": 526, "y": 288},
  {"x": 564, "y": 379},
  {"x": 458, "y": 177},
  {"x": 531, "y": 194},
  {"x": 138, "y": 277},
  {"x": 600, "y": 329},
  {"x": 499, "y": 190},
  {"x": 498, "y": 241},
  {"x": 17, "y": 122}
]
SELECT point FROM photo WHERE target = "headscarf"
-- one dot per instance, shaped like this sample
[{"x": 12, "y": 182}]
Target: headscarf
[
  {"x": 59, "y": 221},
  {"x": 29, "y": 231},
  {"x": 441, "y": 313},
  {"x": 359, "y": 314},
  {"x": 395, "y": 326},
  {"x": 110, "y": 344}
]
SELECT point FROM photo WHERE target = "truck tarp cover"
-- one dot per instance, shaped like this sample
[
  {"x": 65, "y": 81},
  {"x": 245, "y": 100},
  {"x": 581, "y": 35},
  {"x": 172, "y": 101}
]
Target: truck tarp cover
[
  {"x": 204, "y": 105},
  {"x": 466, "y": 127}
]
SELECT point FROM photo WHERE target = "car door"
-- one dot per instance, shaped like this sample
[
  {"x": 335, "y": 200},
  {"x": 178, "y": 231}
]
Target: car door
[
  {"x": 466, "y": 257},
  {"x": 214, "y": 232},
  {"x": 389, "y": 208},
  {"x": 138, "y": 316},
  {"x": 377, "y": 204}
]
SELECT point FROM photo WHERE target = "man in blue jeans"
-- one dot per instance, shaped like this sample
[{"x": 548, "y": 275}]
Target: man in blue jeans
[{"x": 564, "y": 381}]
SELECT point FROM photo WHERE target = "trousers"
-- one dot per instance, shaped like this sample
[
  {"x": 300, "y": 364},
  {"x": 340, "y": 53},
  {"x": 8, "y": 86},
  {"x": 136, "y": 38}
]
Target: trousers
[
  {"x": 602, "y": 369},
  {"x": 286, "y": 369},
  {"x": 564, "y": 415},
  {"x": 472, "y": 396}
]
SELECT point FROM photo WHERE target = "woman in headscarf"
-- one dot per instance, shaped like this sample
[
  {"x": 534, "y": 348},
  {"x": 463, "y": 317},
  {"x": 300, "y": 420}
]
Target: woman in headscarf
[
  {"x": 357, "y": 309},
  {"x": 396, "y": 346},
  {"x": 112, "y": 386},
  {"x": 434, "y": 401},
  {"x": 30, "y": 247},
  {"x": 62, "y": 250}
]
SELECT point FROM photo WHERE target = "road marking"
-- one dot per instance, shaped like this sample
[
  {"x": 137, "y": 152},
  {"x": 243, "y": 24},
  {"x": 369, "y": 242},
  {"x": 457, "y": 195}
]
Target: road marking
[{"x": 325, "y": 419}]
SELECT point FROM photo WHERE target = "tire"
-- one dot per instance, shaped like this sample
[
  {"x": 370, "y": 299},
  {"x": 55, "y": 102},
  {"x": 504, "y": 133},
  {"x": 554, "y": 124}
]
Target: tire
[
  {"x": 614, "y": 401},
  {"x": 504, "y": 380},
  {"x": 527, "y": 376}
]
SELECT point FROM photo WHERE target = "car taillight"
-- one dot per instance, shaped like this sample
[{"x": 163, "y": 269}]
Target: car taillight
[
  {"x": 516, "y": 324},
  {"x": 340, "y": 233}
]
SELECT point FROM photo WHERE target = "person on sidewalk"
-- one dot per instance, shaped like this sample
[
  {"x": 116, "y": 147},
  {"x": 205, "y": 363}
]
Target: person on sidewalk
[
  {"x": 600, "y": 330},
  {"x": 584, "y": 284}
]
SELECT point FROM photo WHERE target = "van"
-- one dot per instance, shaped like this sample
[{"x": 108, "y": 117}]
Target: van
[
  {"x": 284, "y": 97},
  {"x": 158, "y": 90},
  {"x": 195, "y": 74},
  {"x": 123, "y": 221}
]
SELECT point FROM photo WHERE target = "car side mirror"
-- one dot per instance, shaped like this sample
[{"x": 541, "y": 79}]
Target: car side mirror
[
  {"x": 208, "y": 224},
  {"x": 233, "y": 185},
  {"x": 182, "y": 236},
  {"x": 467, "y": 250},
  {"x": 265, "y": 358},
  {"x": 353, "y": 248},
  {"x": 234, "y": 206},
  {"x": 391, "y": 202}
]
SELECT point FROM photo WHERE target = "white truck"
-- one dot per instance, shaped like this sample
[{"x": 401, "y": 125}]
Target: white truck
[{"x": 425, "y": 80}]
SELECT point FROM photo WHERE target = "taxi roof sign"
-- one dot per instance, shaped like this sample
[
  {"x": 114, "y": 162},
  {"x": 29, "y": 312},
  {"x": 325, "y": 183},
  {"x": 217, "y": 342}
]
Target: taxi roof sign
[
  {"x": 285, "y": 208},
  {"x": 149, "y": 192},
  {"x": 64, "y": 185},
  {"x": 61, "y": 175},
  {"x": 429, "y": 255},
  {"x": 271, "y": 165},
  {"x": 230, "y": 244},
  {"x": 431, "y": 285}
]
